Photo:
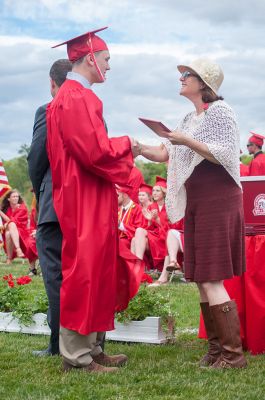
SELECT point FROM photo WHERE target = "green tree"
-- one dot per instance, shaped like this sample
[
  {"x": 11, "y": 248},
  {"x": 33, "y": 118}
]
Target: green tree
[{"x": 150, "y": 170}]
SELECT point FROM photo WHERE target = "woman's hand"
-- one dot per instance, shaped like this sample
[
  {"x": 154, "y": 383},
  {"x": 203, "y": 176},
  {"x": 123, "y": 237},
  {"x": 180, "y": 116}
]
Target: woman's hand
[
  {"x": 154, "y": 214},
  {"x": 147, "y": 214},
  {"x": 176, "y": 137}
]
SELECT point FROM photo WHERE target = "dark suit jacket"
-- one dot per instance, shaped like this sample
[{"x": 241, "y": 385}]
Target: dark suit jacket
[{"x": 39, "y": 168}]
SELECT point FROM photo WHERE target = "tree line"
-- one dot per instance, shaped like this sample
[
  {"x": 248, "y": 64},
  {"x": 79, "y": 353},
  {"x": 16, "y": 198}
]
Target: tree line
[{"x": 18, "y": 177}]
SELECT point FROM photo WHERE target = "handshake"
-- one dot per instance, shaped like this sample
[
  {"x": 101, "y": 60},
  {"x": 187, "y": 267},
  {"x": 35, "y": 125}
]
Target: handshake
[{"x": 136, "y": 147}]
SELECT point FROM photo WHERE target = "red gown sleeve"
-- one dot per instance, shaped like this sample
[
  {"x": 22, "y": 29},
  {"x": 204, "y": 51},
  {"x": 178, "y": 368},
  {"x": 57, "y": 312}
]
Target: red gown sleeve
[{"x": 86, "y": 139}]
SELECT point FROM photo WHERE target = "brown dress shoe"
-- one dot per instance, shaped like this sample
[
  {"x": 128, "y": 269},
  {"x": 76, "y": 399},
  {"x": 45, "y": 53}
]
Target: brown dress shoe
[
  {"x": 111, "y": 361},
  {"x": 90, "y": 368}
]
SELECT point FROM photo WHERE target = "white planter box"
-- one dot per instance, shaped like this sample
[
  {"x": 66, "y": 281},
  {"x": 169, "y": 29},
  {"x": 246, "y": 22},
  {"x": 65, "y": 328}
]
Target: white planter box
[
  {"x": 10, "y": 324},
  {"x": 147, "y": 331}
]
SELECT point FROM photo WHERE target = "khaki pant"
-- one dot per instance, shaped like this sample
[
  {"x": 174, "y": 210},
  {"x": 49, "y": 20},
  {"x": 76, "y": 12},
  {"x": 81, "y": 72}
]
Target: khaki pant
[{"x": 78, "y": 350}]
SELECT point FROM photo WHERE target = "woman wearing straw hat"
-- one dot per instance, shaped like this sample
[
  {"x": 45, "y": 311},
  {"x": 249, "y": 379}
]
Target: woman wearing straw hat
[{"x": 204, "y": 186}]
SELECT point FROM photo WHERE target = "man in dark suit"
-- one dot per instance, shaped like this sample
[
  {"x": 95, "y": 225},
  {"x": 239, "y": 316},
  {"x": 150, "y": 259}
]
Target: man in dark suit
[{"x": 49, "y": 236}]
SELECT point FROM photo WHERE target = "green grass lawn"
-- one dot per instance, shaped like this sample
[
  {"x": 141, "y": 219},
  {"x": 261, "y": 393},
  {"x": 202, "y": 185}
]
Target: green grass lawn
[{"x": 153, "y": 372}]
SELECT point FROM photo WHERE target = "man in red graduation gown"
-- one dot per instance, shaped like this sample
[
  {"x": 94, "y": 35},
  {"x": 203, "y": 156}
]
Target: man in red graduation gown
[
  {"x": 257, "y": 165},
  {"x": 85, "y": 164}
]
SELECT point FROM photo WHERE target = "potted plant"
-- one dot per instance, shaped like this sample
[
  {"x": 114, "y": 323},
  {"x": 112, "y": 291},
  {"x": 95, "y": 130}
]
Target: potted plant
[
  {"x": 18, "y": 311},
  {"x": 149, "y": 318}
]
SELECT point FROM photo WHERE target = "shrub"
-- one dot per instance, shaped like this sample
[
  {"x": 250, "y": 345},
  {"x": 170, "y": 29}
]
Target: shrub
[{"x": 14, "y": 298}]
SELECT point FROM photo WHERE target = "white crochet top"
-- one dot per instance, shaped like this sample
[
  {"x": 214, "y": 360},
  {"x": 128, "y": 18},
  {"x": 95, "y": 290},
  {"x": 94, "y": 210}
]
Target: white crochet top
[{"x": 217, "y": 128}]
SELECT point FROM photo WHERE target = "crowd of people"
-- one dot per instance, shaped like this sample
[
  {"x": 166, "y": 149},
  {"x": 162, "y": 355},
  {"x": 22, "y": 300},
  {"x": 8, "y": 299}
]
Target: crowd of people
[{"x": 100, "y": 226}]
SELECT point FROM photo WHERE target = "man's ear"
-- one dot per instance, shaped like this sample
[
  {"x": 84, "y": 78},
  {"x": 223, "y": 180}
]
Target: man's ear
[
  {"x": 53, "y": 84},
  {"x": 89, "y": 60}
]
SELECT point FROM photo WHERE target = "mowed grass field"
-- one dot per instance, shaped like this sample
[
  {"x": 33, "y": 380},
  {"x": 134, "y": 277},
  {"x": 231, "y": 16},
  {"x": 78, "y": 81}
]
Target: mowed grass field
[{"x": 153, "y": 372}]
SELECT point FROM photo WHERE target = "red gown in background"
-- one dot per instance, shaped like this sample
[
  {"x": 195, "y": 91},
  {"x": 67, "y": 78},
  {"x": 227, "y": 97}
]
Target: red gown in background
[
  {"x": 157, "y": 234},
  {"x": 257, "y": 165},
  {"x": 132, "y": 219},
  {"x": 85, "y": 164},
  {"x": 135, "y": 181},
  {"x": 244, "y": 169},
  {"x": 20, "y": 217},
  {"x": 130, "y": 268}
]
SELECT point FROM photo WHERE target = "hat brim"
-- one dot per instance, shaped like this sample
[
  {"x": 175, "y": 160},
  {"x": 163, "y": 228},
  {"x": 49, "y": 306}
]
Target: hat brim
[{"x": 183, "y": 68}]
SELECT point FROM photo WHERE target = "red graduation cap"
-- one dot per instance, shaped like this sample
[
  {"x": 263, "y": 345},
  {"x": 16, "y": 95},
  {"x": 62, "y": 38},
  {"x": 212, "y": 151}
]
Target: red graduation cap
[
  {"x": 145, "y": 188},
  {"x": 88, "y": 43},
  {"x": 256, "y": 139},
  {"x": 160, "y": 182},
  {"x": 128, "y": 189}
]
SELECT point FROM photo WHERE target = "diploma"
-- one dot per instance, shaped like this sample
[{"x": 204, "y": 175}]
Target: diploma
[{"x": 156, "y": 126}]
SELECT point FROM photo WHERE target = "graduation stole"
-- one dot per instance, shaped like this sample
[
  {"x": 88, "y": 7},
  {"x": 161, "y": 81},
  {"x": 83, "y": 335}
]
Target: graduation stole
[{"x": 126, "y": 217}]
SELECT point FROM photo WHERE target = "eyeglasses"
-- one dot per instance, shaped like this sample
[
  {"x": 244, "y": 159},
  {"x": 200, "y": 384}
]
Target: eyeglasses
[
  {"x": 186, "y": 74},
  {"x": 249, "y": 144}
]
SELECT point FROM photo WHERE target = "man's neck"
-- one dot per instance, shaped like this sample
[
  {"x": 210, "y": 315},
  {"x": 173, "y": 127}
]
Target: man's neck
[
  {"x": 80, "y": 76},
  {"x": 257, "y": 153},
  {"x": 126, "y": 202}
]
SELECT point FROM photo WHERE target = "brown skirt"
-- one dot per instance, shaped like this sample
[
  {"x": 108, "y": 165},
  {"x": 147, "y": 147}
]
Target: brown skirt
[{"x": 214, "y": 234}]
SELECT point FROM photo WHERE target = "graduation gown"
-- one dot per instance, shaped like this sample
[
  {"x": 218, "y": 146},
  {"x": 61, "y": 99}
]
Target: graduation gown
[
  {"x": 257, "y": 165},
  {"x": 20, "y": 217},
  {"x": 131, "y": 220},
  {"x": 85, "y": 164},
  {"x": 130, "y": 268},
  {"x": 156, "y": 234}
]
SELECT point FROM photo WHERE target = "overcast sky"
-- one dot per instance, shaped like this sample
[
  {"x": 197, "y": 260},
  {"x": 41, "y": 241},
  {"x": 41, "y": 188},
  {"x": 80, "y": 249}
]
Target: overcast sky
[{"x": 147, "y": 40}]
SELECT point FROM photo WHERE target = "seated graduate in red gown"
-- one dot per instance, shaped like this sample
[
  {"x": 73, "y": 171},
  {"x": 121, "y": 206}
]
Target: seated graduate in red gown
[
  {"x": 174, "y": 260},
  {"x": 153, "y": 238},
  {"x": 145, "y": 195},
  {"x": 257, "y": 165},
  {"x": 135, "y": 180},
  {"x": 130, "y": 268},
  {"x": 18, "y": 241},
  {"x": 130, "y": 216}
]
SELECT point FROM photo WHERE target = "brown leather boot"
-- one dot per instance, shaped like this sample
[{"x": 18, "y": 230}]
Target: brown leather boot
[
  {"x": 111, "y": 361},
  {"x": 227, "y": 325},
  {"x": 91, "y": 368},
  {"x": 214, "y": 348}
]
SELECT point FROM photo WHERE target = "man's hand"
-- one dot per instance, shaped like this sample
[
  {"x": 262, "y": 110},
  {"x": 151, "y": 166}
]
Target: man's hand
[{"x": 136, "y": 147}]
